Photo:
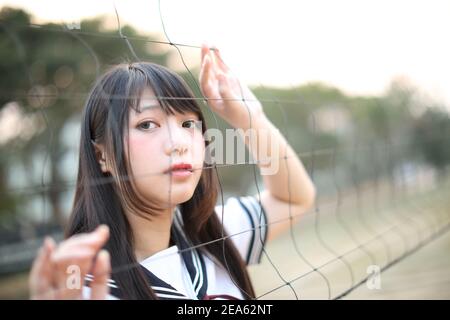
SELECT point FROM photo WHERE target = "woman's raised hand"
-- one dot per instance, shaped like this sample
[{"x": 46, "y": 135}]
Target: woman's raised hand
[{"x": 226, "y": 95}]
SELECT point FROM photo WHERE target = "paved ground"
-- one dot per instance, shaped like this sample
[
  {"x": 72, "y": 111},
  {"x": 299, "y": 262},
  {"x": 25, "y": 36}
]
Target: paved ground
[{"x": 425, "y": 274}]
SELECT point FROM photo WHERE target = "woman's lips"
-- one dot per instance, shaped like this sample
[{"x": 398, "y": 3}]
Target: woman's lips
[
  {"x": 180, "y": 173},
  {"x": 180, "y": 170}
]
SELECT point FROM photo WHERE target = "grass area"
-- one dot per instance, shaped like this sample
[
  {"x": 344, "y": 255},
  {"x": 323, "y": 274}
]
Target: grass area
[{"x": 14, "y": 286}]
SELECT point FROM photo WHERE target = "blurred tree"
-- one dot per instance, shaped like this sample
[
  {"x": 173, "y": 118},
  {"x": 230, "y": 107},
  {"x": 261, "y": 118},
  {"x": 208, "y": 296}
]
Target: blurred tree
[
  {"x": 48, "y": 72},
  {"x": 432, "y": 134}
]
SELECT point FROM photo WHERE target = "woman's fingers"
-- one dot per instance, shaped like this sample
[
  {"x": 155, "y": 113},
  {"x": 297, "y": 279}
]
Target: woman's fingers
[
  {"x": 216, "y": 59},
  {"x": 209, "y": 80},
  {"x": 209, "y": 84},
  {"x": 222, "y": 88},
  {"x": 41, "y": 272},
  {"x": 225, "y": 88},
  {"x": 101, "y": 274},
  {"x": 204, "y": 51},
  {"x": 222, "y": 66},
  {"x": 70, "y": 269},
  {"x": 205, "y": 78},
  {"x": 94, "y": 240},
  {"x": 233, "y": 101},
  {"x": 73, "y": 259},
  {"x": 58, "y": 272}
]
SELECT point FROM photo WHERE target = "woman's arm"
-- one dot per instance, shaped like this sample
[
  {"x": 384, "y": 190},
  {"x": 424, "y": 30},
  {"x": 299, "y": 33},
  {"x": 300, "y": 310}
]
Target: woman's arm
[
  {"x": 285, "y": 178},
  {"x": 288, "y": 188}
]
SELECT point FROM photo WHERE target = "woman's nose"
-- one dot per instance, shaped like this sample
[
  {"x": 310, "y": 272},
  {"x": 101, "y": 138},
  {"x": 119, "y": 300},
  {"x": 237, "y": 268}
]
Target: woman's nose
[
  {"x": 177, "y": 141},
  {"x": 178, "y": 148}
]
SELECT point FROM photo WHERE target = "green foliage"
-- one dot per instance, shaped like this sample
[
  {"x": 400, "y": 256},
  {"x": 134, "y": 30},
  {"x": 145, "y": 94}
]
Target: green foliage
[
  {"x": 432, "y": 134},
  {"x": 62, "y": 67}
]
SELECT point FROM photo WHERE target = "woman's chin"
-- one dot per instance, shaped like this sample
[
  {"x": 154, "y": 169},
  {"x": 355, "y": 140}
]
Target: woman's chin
[{"x": 176, "y": 198}]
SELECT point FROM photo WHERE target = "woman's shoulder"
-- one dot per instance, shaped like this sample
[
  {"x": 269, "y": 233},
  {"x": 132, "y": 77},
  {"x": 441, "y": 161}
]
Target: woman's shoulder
[{"x": 245, "y": 222}]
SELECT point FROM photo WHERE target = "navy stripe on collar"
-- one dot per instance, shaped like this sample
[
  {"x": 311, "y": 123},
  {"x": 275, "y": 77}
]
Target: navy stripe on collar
[{"x": 192, "y": 258}]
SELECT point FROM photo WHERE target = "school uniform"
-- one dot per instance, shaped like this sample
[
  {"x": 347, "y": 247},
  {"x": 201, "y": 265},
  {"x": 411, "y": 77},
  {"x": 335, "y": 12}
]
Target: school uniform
[{"x": 180, "y": 272}]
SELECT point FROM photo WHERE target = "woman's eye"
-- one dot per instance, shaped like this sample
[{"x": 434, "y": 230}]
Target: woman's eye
[
  {"x": 146, "y": 125},
  {"x": 190, "y": 124}
]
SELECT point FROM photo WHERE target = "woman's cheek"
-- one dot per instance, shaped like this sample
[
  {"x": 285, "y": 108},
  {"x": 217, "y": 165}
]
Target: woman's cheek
[{"x": 140, "y": 147}]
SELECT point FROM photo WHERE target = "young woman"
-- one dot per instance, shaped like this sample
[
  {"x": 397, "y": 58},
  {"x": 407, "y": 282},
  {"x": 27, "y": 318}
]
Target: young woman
[{"x": 145, "y": 222}]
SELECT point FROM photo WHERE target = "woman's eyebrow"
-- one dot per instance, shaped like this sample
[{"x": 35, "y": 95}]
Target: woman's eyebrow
[{"x": 190, "y": 114}]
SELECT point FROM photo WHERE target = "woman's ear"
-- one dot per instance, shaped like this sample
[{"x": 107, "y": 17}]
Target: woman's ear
[{"x": 100, "y": 156}]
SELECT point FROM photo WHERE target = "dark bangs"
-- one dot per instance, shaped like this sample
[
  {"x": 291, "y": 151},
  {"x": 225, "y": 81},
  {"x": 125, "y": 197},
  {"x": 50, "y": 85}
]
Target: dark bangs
[{"x": 170, "y": 89}]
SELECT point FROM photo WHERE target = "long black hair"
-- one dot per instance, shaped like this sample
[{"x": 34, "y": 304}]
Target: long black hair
[{"x": 101, "y": 198}]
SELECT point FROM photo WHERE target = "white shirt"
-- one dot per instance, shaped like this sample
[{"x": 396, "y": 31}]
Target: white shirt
[{"x": 190, "y": 274}]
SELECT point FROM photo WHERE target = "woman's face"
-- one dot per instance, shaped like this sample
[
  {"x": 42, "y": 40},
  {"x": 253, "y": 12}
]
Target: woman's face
[{"x": 156, "y": 142}]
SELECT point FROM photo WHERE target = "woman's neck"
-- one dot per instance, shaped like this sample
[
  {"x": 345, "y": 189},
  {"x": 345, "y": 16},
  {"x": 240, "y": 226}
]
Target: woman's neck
[{"x": 151, "y": 235}]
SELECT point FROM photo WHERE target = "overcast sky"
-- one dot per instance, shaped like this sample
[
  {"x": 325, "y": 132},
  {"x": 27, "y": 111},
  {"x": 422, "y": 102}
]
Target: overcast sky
[{"x": 356, "y": 45}]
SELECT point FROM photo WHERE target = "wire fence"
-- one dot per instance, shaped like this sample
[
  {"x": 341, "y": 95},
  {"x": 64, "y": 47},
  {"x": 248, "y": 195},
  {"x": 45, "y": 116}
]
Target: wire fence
[{"x": 375, "y": 205}]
